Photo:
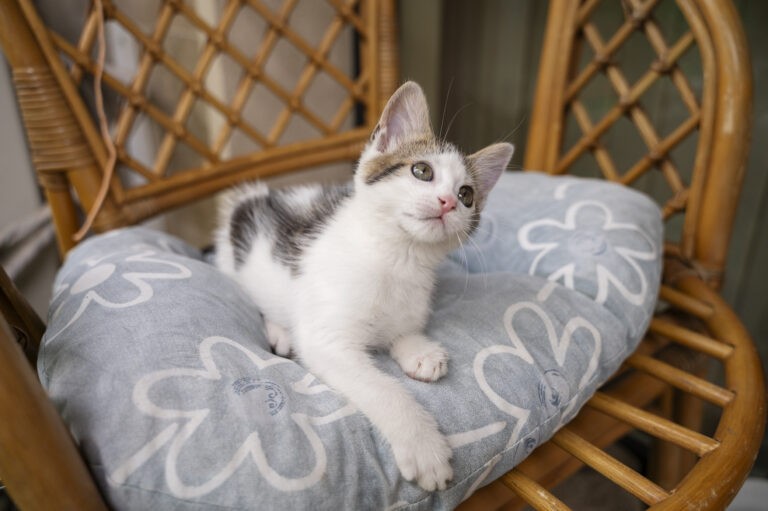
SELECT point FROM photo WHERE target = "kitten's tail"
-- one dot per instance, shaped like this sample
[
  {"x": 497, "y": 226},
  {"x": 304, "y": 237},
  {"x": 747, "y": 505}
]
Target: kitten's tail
[{"x": 229, "y": 200}]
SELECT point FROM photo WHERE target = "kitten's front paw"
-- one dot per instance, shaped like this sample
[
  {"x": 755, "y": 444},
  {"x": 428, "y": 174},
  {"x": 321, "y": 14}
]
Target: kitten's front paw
[
  {"x": 425, "y": 459},
  {"x": 427, "y": 367},
  {"x": 420, "y": 358}
]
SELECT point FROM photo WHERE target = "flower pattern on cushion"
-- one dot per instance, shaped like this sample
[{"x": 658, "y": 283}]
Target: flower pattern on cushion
[
  {"x": 210, "y": 395},
  {"x": 552, "y": 388},
  {"x": 139, "y": 289},
  {"x": 216, "y": 388},
  {"x": 595, "y": 246}
]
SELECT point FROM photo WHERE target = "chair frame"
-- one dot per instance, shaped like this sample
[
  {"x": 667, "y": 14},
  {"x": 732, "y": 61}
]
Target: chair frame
[
  {"x": 49, "y": 99},
  {"x": 660, "y": 388}
]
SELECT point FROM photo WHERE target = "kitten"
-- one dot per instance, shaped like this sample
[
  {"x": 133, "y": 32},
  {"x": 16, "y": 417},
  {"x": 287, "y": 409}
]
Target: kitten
[{"x": 339, "y": 271}]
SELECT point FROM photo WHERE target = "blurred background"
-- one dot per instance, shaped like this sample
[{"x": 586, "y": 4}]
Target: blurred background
[{"x": 477, "y": 62}]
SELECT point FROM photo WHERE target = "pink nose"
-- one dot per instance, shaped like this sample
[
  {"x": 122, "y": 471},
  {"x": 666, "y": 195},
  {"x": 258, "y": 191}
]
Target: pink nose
[{"x": 447, "y": 204}]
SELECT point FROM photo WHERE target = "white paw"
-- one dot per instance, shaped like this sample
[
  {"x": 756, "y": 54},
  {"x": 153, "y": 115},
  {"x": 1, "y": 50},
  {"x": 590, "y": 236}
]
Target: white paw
[
  {"x": 279, "y": 338},
  {"x": 428, "y": 367},
  {"x": 424, "y": 458},
  {"x": 420, "y": 358}
]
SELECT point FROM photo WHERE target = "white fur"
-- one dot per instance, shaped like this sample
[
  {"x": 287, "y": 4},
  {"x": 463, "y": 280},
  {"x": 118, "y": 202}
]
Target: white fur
[
  {"x": 368, "y": 285},
  {"x": 366, "y": 282}
]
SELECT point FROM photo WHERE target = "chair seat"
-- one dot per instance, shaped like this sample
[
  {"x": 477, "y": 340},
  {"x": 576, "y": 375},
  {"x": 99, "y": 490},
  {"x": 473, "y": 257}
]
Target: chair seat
[{"x": 159, "y": 365}]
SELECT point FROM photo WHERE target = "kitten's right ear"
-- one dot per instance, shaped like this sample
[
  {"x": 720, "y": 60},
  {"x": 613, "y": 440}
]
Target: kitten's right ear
[
  {"x": 487, "y": 164},
  {"x": 406, "y": 116}
]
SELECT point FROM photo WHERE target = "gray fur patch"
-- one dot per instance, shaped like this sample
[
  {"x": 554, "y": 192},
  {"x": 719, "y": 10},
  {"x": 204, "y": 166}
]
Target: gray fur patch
[
  {"x": 290, "y": 226},
  {"x": 372, "y": 178},
  {"x": 413, "y": 151},
  {"x": 243, "y": 228},
  {"x": 474, "y": 220}
]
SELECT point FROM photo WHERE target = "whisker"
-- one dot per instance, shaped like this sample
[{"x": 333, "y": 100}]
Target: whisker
[
  {"x": 488, "y": 232},
  {"x": 445, "y": 106},
  {"x": 448, "y": 130},
  {"x": 466, "y": 266},
  {"x": 483, "y": 261},
  {"x": 505, "y": 137}
]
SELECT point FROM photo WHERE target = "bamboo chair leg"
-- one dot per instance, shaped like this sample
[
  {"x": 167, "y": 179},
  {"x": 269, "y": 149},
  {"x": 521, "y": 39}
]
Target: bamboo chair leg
[
  {"x": 689, "y": 412},
  {"x": 668, "y": 463},
  {"x": 664, "y": 458}
]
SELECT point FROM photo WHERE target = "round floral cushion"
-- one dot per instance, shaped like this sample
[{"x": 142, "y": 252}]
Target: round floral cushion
[{"x": 159, "y": 365}]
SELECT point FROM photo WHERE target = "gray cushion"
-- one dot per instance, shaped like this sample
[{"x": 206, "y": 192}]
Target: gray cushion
[{"x": 159, "y": 365}]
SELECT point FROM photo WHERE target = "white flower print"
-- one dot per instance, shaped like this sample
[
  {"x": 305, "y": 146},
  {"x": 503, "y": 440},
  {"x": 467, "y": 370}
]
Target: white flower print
[
  {"x": 559, "y": 346},
  {"x": 87, "y": 284},
  {"x": 184, "y": 422},
  {"x": 593, "y": 246}
]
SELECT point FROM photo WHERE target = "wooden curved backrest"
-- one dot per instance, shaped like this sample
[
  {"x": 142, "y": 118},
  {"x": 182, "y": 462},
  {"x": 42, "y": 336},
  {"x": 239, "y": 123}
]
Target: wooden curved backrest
[
  {"x": 50, "y": 70},
  {"x": 585, "y": 95}
]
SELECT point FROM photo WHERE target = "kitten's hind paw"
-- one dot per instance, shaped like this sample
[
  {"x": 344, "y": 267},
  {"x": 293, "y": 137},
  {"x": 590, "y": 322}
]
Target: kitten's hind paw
[
  {"x": 420, "y": 358},
  {"x": 279, "y": 338}
]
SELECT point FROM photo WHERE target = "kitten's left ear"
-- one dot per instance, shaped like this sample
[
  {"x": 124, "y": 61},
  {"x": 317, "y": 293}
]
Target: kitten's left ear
[
  {"x": 486, "y": 165},
  {"x": 405, "y": 116}
]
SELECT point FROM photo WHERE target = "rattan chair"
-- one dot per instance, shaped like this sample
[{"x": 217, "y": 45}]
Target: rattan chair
[{"x": 660, "y": 389}]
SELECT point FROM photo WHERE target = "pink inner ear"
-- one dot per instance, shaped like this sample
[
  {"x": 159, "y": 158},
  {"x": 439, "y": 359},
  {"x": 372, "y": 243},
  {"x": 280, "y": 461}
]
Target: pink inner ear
[
  {"x": 394, "y": 131},
  {"x": 489, "y": 163},
  {"x": 489, "y": 178},
  {"x": 405, "y": 116}
]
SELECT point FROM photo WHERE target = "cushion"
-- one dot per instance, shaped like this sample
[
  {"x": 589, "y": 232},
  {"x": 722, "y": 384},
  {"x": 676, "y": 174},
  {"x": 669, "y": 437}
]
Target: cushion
[{"x": 159, "y": 365}]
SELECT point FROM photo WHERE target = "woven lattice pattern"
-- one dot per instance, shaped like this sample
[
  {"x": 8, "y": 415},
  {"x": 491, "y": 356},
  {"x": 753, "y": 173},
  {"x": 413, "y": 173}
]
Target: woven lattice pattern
[
  {"x": 600, "y": 56},
  {"x": 231, "y": 110}
]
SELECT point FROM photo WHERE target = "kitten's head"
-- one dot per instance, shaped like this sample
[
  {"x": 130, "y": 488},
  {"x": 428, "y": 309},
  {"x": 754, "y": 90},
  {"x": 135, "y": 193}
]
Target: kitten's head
[{"x": 424, "y": 185}]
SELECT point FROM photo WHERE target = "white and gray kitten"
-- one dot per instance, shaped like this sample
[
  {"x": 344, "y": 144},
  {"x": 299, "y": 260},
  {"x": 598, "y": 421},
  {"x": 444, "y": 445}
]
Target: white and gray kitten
[{"x": 337, "y": 272}]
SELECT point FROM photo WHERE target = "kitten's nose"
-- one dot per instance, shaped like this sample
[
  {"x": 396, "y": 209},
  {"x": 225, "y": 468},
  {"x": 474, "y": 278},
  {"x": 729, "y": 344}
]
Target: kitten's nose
[{"x": 447, "y": 204}]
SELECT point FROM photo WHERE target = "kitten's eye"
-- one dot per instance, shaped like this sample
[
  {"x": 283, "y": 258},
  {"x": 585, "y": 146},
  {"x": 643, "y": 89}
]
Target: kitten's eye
[
  {"x": 466, "y": 195},
  {"x": 422, "y": 171}
]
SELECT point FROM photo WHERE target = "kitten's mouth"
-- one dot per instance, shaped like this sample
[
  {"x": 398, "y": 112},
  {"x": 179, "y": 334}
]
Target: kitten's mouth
[
  {"x": 425, "y": 218},
  {"x": 434, "y": 220},
  {"x": 434, "y": 223}
]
